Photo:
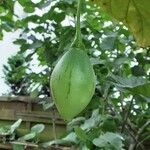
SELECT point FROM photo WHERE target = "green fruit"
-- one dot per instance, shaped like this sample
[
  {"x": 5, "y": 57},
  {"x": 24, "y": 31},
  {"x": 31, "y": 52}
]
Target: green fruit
[{"x": 72, "y": 83}]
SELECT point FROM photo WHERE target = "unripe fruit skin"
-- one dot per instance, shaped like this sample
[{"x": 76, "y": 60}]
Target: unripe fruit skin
[{"x": 72, "y": 83}]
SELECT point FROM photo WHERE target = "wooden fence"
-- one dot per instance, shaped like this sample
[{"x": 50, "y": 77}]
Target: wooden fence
[{"x": 31, "y": 112}]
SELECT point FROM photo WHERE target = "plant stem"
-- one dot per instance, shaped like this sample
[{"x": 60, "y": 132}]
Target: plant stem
[
  {"x": 146, "y": 138},
  {"x": 141, "y": 130},
  {"x": 135, "y": 144},
  {"x": 54, "y": 125},
  {"x": 78, "y": 38},
  {"x": 132, "y": 132},
  {"x": 127, "y": 115},
  {"x": 103, "y": 106}
]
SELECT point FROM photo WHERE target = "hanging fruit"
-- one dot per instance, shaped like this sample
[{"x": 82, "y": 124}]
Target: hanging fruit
[{"x": 73, "y": 78}]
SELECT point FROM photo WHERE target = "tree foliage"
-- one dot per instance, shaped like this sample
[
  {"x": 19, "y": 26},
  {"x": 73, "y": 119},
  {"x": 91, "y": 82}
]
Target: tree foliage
[
  {"x": 6, "y": 16},
  {"x": 134, "y": 13},
  {"x": 16, "y": 76},
  {"x": 118, "y": 115}
]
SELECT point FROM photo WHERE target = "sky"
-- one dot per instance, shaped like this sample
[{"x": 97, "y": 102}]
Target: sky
[{"x": 7, "y": 49}]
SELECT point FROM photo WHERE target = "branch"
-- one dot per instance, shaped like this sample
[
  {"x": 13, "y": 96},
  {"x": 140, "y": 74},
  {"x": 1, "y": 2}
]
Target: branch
[
  {"x": 143, "y": 128},
  {"x": 135, "y": 144},
  {"x": 127, "y": 115},
  {"x": 133, "y": 139},
  {"x": 26, "y": 144},
  {"x": 147, "y": 137}
]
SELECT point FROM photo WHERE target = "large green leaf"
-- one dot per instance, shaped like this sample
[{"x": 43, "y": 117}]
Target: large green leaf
[
  {"x": 134, "y": 13},
  {"x": 109, "y": 140},
  {"x": 136, "y": 85}
]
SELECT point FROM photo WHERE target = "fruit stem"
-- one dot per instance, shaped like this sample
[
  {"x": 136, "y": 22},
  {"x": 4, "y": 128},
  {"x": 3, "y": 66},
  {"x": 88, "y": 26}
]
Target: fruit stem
[{"x": 78, "y": 37}]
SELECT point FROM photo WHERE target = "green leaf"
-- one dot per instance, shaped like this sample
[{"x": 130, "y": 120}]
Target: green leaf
[
  {"x": 1, "y": 35},
  {"x": 146, "y": 98},
  {"x": 96, "y": 61},
  {"x": 69, "y": 1},
  {"x": 7, "y": 26},
  {"x": 47, "y": 105},
  {"x": 84, "y": 147},
  {"x": 9, "y": 130},
  {"x": 94, "y": 133},
  {"x": 81, "y": 134},
  {"x": 29, "y": 9},
  {"x": 109, "y": 140},
  {"x": 142, "y": 90},
  {"x": 71, "y": 137},
  {"x": 37, "y": 128},
  {"x": 108, "y": 42},
  {"x": 108, "y": 124},
  {"x": 47, "y": 144},
  {"x": 34, "y": 131},
  {"x": 65, "y": 38},
  {"x": 136, "y": 85},
  {"x": 5, "y": 130},
  {"x": 18, "y": 147},
  {"x": 35, "y": 45},
  {"x": 92, "y": 20},
  {"x": 15, "y": 125},
  {"x": 93, "y": 121},
  {"x": 75, "y": 122},
  {"x": 125, "y": 82},
  {"x": 19, "y": 41},
  {"x": 2, "y": 9},
  {"x": 138, "y": 71},
  {"x": 119, "y": 61},
  {"x": 135, "y": 14},
  {"x": 27, "y": 137}
]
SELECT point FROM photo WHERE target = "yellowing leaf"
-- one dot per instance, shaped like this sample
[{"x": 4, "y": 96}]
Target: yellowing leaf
[{"x": 134, "y": 13}]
